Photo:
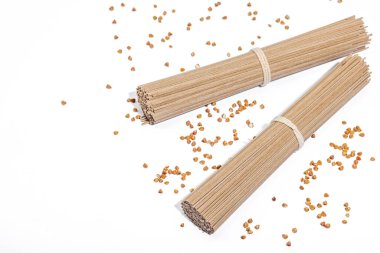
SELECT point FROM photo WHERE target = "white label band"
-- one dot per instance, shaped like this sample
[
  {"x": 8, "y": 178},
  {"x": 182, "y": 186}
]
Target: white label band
[
  {"x": 296, "y": 132},
  {"x": 264, "y": 65}
]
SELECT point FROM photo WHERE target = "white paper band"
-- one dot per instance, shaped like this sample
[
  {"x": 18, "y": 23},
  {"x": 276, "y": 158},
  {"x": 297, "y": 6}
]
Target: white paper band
[
  {"x": 296, "y": 132},
  {"x": 264, "y": 65}
]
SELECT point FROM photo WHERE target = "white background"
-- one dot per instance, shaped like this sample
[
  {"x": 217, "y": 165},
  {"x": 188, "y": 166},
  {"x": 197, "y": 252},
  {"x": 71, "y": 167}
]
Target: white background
[{"x": 67, "y": 184}]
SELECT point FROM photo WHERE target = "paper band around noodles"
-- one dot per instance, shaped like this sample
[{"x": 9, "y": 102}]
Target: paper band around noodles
[
  {"x": 296, "y": 132},
  {"x": 264, "y": 65}
]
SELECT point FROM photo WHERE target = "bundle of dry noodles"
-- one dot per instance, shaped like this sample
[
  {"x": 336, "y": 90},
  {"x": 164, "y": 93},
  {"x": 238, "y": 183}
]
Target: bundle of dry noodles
[
  {"x": 172, "y": 96},
  {"x": 212, "y": 203}
]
